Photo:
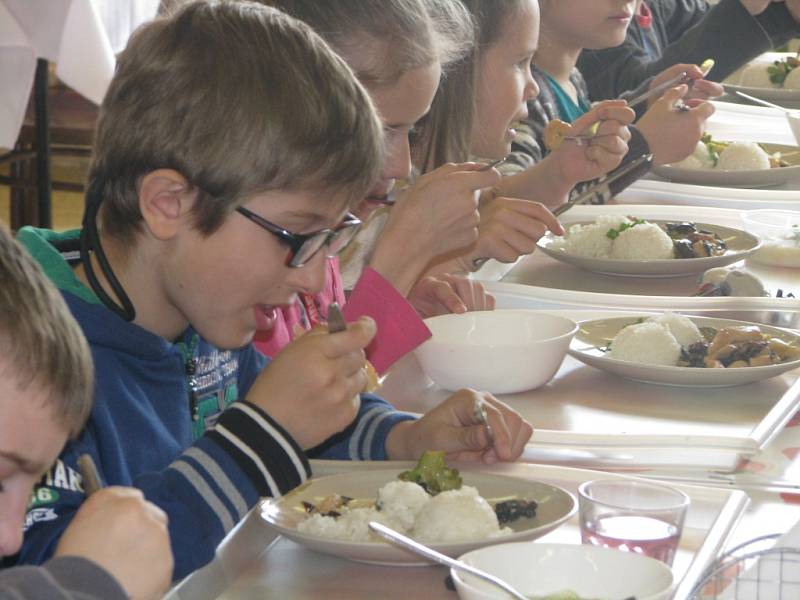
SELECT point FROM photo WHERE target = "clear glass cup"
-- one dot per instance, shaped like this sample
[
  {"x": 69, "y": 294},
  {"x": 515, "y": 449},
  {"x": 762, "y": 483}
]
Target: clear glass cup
[{"x": 634, "y": 516}]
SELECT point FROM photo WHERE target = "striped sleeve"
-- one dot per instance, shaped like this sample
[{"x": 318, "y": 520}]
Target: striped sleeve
[
  {"x": 365, "y": 438},
  {"x": 213, "y": 484}
]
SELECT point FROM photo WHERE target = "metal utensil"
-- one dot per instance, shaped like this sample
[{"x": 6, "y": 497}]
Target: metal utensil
[
  {"x": 336, "y": 322},
  {"x": 658, "y": 90},
  {"x": 429, "y": 553},
  {"x": 91, "y": 479},
  {"x": 493, "y": 164},
  {"x": 479, "y": 410},
  {"x": 612, "y": 185},
  {"x": 760, "y": 101}
]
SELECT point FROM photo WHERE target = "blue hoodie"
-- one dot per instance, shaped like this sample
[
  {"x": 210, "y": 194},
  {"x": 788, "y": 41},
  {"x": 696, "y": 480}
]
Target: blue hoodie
[{"x": 168, "y": 420}]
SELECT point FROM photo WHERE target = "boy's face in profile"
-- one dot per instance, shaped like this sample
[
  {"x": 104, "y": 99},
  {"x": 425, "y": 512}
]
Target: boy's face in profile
[
  {"x": 227, "y": 284},
  {"x": 30, "y": 440}
]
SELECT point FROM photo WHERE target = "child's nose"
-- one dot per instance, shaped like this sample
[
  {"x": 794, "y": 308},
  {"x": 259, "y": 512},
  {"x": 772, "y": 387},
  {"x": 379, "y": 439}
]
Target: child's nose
[
  {"x": 398, "y": 159},
  {"x": 310, "y": 278}
]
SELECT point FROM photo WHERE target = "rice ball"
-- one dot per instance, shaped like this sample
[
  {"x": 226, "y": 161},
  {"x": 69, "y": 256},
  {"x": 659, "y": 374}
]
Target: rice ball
[
  {"x": 756, "y": 75},
  {"x": 743, "y": 156},
  {"x": 697, "y": 160},
  {"x": 591, "y": 241},
  {"x": 587, "y": 241},
  {"x": 456, "y": 515},
  {"x": 647, "y": 343},
  {"x": 792, "y": 81},
  {"x": 402, "y": 501},
  {"x": 645, "y": 241},
  {"x": 682, "y": 328}
]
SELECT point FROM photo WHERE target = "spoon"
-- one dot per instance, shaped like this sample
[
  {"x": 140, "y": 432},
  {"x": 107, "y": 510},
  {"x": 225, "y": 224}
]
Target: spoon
[
  {"x": 429, "y": 553},
  {"x": 760, "y": 101}
]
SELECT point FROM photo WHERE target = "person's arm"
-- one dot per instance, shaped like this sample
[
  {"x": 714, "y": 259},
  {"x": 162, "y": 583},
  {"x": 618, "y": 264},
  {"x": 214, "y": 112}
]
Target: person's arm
[
  {"x": 729, "y": 34},
  {"x": 365, "y": 438},
  {"x": 62, "y": 578},
  {"x": 204, "y": 492}
]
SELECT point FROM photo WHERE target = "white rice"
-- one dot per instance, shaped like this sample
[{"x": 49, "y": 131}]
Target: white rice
[
  {"x": 353, "y": 525},
  {"x": 402, "y": 501},
  {"x": 645, "y": 241},
  {"x": 743, "y": 156},
  {"x": 456, "y": 515},
  {"x": 698, "y": 160},
  {"x": 756, "y": 75},
  {"x": 647, "y": 343},
  {"x": 682, "y": 328}
]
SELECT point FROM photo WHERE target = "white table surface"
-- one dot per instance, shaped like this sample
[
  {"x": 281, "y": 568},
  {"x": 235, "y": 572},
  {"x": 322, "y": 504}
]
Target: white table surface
[{"x": 80, "y": 36}]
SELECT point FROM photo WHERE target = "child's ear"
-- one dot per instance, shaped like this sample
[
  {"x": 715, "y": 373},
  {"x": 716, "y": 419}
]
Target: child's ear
[{"x": 165, "y": 198}]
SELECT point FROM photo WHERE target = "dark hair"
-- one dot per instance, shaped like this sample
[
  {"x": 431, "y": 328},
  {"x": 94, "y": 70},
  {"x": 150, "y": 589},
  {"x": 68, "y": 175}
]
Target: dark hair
[
  {"x": 240, "y": 99},
  {"x": 41, "y": 345}
]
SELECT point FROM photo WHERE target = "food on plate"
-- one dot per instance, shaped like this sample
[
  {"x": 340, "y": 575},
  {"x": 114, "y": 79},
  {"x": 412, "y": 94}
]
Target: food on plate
[
  {"x": 672, "y": 340},
  {"x": 453, "y": 514},
  {"x": 740, "y": 346},
  {"x": 554, "y": 133},
  {"x": 724, "y": 281},
  {"x": 433, "y": 474},
  {"x": 729, "y": 156},
  {"x": 630, "y": 238},
  {"x": 782, "y": 249},
  {"x": 691, "y": 242},
  {"x": 778, "y": 74}
]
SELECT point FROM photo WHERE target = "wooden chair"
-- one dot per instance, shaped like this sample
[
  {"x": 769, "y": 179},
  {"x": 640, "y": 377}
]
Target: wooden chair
[{"x": 59, "y": 122}]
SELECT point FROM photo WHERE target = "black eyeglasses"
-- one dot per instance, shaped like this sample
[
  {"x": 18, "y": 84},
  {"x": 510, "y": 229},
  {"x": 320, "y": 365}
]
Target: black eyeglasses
[{"x": 303, "y": 247}]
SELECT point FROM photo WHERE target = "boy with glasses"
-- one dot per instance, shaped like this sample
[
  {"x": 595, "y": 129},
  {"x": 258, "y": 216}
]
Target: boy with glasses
[{"x": 223, "y": 120}]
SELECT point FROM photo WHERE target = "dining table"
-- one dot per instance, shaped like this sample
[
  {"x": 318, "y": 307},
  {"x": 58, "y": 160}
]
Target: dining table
[
  {"x": 735, "y": 451},
  {"x": 80, "y": 37}
]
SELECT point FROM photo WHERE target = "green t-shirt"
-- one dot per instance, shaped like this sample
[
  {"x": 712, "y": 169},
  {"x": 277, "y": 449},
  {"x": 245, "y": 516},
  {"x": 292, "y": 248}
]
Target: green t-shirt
[{"x": 567, "y": 107}]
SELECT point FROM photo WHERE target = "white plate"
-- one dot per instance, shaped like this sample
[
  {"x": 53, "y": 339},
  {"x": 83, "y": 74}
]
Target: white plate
[
  {"x": 284, "y": 514},
  {"x": 779, "y": 96},
  {"x": 740, "y": 245},
  {"x": 594, "y": 335},
  {"x": 744, "y": 179}
]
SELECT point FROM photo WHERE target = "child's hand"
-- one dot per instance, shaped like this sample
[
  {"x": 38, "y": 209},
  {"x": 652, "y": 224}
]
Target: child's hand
[
  {"x": 671, "y": 134},
  {"x": 435, "y": 216},
  {"x": 702, "y": 89},
  {"x": 600, "y": 154},
  {"x": 115, "y": 525},
  {"x": 510, "y": 228},
  {"x": 454, "y": 427},
  {"x": 445, "y": 294},
  {"x": 312, "y": 386}
]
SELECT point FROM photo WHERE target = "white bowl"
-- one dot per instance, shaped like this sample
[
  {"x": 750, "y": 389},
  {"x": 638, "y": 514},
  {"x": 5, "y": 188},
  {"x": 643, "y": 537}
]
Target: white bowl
[
  {"x": 794, "y": 122},
  {"x": 500, "y": 351},
  {"x": 537, "y": 570},
  {"x": 779, "y": 231}
]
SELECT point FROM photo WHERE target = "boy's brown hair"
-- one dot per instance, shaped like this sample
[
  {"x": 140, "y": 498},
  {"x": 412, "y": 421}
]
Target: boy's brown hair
[
  {"x": 239, "y": 98},
  {"x": 41, "y": 345}
]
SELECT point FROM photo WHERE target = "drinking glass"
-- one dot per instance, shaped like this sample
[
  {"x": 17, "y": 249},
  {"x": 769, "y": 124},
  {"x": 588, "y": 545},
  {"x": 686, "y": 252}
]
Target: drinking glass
[{"x": 634, "y": 516}]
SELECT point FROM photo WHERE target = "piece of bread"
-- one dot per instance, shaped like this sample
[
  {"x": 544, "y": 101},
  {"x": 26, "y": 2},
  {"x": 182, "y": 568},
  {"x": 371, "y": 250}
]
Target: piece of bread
[{"x": 554, "y": 133}]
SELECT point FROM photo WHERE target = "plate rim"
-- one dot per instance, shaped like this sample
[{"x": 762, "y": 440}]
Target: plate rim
[
  {"x": 452, "y": 547},
  {"x": 665, "y": 370},
  {"x": 617, "y": 263}
]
